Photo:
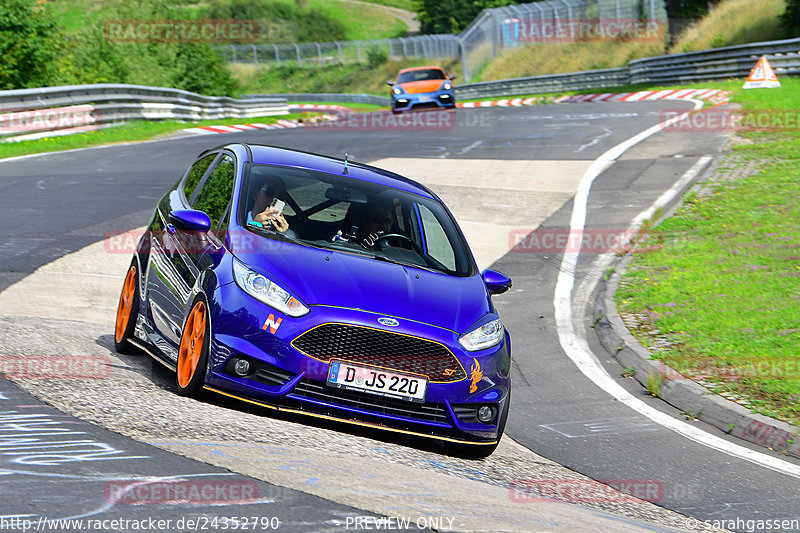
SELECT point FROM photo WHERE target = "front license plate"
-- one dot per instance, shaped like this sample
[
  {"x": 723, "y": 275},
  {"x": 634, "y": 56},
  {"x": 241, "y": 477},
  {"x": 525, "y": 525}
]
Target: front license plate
[
  {"x": 424, "y": 99},
  {"x": 377, "y": 381}
]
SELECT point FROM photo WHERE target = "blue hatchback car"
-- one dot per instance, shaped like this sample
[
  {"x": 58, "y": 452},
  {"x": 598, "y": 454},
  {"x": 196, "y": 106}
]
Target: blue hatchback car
[{"x": 317, "y": 285}]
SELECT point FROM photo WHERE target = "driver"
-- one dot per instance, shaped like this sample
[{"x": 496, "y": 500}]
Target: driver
[{"x": 375, "y": 221}]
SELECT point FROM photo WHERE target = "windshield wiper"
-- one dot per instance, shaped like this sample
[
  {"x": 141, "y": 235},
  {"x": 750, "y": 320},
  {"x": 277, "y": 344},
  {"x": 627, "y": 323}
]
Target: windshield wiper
[
  {"x": 272, "y": 232},
  {"x": 402, "y": 263}
]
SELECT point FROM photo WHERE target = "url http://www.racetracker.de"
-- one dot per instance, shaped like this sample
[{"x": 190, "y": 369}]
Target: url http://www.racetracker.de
[{"x": 149, "y": 524}]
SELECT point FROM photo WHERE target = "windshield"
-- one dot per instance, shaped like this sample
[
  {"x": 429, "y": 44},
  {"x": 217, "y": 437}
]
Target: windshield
[
  {"x": 354, "y": 216},
  {"x": 419, "y": 75}
]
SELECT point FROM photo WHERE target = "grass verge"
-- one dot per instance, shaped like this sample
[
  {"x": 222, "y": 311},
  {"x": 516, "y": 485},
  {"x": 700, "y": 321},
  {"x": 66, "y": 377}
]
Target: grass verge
[
  {"x": 129, "y": 132},
  {"x": 718, "y": 298}
]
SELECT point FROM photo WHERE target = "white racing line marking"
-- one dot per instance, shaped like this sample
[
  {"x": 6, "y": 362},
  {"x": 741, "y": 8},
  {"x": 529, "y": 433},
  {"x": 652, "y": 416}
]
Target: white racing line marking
[{"x": 577, "y": 348}]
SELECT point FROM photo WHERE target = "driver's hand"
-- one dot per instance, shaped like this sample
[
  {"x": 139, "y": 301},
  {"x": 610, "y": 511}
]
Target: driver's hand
[
  {"x": 370, "y": 240},
  {"x": 272, "y": 218}
]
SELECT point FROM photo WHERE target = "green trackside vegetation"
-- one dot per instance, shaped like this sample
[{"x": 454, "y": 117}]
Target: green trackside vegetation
[
  {"x": 128, "y": 132},
  {"x": 715, "y": 291}
]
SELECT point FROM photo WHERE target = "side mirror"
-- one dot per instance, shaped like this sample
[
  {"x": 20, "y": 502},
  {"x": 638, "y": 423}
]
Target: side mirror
[
  {"x": 452, "y": 77},
  {"x": 496, "y": 282},
  {"x": 390, "y": 83},
  {"x": 190, "y": 220}
]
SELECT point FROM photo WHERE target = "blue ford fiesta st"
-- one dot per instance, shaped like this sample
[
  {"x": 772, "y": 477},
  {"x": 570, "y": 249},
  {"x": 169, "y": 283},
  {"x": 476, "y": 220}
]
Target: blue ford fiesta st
[{"x": 321, "y": 286}]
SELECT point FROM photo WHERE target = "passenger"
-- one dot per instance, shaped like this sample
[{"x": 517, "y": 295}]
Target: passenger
[{"x": 262, "y": 214}]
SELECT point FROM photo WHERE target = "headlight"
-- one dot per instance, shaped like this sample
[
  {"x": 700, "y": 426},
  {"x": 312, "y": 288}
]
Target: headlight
[
  {"x": 447, "y": 86},
  {"x": 264, "y": 290},
  {"x": 483, "y": 337},
  {"x": 397, "y": 91}
]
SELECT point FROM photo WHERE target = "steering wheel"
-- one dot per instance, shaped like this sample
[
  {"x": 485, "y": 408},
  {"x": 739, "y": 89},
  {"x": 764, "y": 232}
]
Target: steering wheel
[{"x": 382, "y": 241}]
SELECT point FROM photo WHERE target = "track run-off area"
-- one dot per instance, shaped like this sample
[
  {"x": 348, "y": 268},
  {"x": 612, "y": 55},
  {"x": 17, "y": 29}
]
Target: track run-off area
[{"x": 84, "y": 448}]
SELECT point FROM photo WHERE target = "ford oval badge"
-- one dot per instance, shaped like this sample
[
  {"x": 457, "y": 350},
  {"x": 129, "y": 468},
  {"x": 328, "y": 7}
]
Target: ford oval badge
[{"x": 388, "y": 321}]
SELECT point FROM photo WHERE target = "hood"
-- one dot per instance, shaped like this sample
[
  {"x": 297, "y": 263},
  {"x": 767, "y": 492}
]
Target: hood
[
  {"x": 422, "y": 86},
  {"x": 325, "y": 277}
]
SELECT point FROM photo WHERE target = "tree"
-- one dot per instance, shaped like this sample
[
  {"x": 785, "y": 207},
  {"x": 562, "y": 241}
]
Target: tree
[
  {"x": 31, "y": 46},
  {"x": 687, "y": 9},
  {"x": 452, "y": 16},
  {"x": 791, "y": 17}
]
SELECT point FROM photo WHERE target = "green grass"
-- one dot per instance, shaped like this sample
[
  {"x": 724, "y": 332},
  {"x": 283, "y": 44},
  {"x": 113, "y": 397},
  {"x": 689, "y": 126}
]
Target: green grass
[
  {"x": 722, "y": 287},
  {"x": 133, "y": 131},
  {"x": 362, "y": 22},
  {"x": 362, "y": 108},
  {"x": 734, "y": 22}
]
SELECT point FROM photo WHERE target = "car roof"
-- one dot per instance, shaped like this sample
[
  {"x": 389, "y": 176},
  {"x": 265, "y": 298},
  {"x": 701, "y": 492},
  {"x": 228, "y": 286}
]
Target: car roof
[
  {"x": 420, "y": 68},
  {"x": 273, "y": 155}
]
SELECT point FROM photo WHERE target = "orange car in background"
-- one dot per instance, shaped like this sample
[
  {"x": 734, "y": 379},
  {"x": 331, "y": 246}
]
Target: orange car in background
[{"x": 422, "y": 87}]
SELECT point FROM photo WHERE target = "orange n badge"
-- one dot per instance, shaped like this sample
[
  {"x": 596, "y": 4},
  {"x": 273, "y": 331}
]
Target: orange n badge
[{"x": 272, "y": 324}]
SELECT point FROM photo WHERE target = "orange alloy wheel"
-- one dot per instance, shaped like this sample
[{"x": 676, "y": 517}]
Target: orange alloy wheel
[
  {"x": 192, "y": 340},
  {"x": 125, "y": 304}
]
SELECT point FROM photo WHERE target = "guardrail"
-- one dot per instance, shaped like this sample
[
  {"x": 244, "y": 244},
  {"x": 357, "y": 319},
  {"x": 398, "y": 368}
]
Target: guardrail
[
  {"x": 329, "y": 98},
  {"x": 85, "y": 107},
  {"x": 574, "y": 81},
  {"x": 719, "y": 63}
]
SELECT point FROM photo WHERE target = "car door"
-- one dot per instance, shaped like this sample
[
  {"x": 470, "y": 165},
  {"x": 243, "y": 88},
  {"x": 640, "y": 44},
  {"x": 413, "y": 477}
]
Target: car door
[{"x": 175, "y": 268}]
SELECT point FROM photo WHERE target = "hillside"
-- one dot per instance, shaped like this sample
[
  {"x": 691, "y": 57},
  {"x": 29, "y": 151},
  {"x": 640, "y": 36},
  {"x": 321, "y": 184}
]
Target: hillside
[
  {"x": 730, "y": 22},
  {"x": 281, "y": 21}
]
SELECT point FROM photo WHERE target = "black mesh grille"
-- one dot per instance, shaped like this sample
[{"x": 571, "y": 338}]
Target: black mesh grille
[
  {"x": 381, "y": 348},
  {"x": 432, "y": 412}
]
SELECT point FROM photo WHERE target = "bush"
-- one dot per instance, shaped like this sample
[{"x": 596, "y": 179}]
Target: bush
[
  {"x": 192, "y": 67},
  {"x": 376, "y": 56},
  {"x": 31, "y": 46}
]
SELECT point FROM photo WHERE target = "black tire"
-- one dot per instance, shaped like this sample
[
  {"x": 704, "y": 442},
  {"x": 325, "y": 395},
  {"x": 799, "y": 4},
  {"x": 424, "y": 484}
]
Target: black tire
[
  {"x": 127, "y": 311},
  {"x": 190, "y": 372}
]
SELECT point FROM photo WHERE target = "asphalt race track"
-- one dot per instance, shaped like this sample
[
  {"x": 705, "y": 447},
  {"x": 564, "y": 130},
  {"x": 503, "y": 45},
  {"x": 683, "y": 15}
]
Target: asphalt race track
[{"x": 504, "y": 173}]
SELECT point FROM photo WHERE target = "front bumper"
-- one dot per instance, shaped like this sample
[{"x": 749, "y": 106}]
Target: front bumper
[
  {"x": 283, "y": 377},
  {"x": 406, "y": 101}
]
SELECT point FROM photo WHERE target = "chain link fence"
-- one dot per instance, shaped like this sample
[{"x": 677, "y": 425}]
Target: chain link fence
[{"x": 492, "y": 31}]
